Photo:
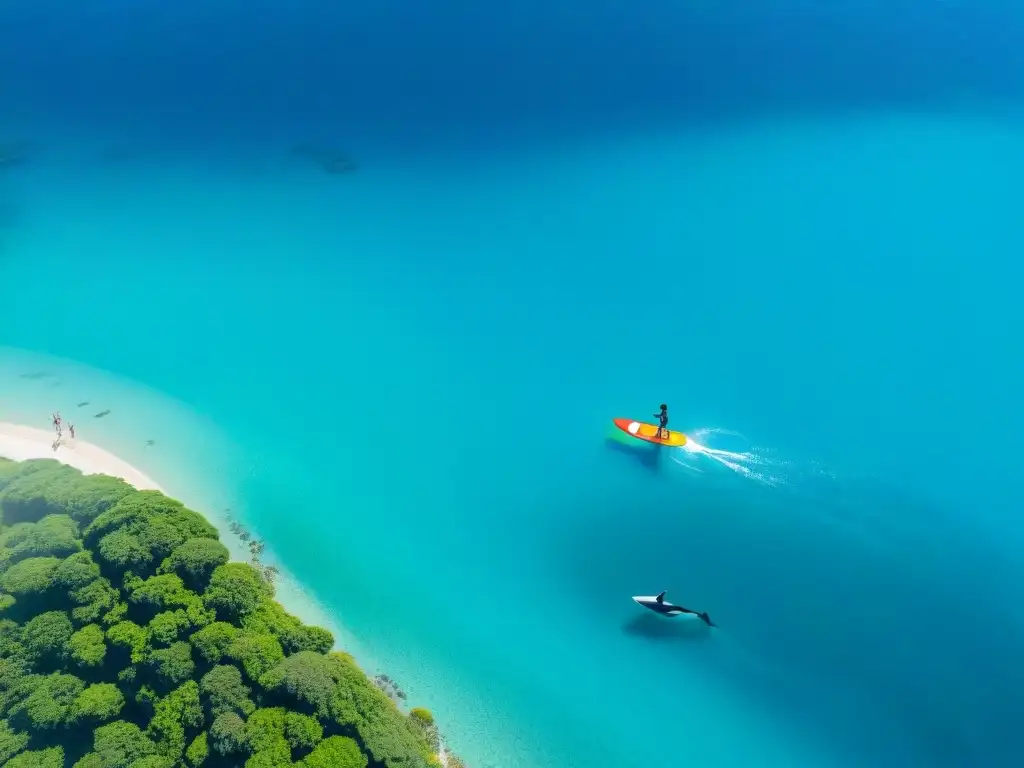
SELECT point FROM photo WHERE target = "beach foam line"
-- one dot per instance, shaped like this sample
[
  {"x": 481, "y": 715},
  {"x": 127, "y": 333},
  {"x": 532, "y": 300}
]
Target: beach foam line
[{"x": 21, "y": 443}]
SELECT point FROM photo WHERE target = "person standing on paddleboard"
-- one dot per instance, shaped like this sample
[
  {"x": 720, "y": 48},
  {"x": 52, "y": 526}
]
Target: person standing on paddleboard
[{"x": 662, "y": 422}]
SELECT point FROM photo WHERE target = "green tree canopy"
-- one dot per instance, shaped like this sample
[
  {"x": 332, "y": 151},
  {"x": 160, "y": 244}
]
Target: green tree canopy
[
  {"x": 236, "y": 590},
  {"x": 84, "y": 497},
  {"x": 99, "y": 703},
  {"x": 302, "y": 731},
  {"x": 195, "y": 561},
  {"x": 167, "y": 626},
  {"x": 192, "y": 664},
  {"x": 176, "y": 714},
  {"x": 122, "y": 551},
  {"x": 76, "y": 571},
  {"x": 29, "y": 577},
  {"x": 97, "y": 601},
  {"x": 87, "y": 646},
  {"x": 172, "y": 665},
  {"x": 51, "y": 757},
  {"x": 198, "y": 750},
  {"x": 53, "y": 536},
  {"x": 11, "y": 741},
  {"x": 49, "y": 703},
  {"x": 336, "y": 752},
  {"x": 213, "y": 641},
  {"x": 168, "y": 592},
  {"x": 227, "y": 734},
  {"x": 138, "y": 510},
  {"x": 269, "y": 617},
  {"x": 132, "y": 638},
  {"x": 257, "y": 654},
  {"x": 46, "y": 637},
  {"x": 25, "y": 498},
  {"x": 119, "y": 744},
  {"x": 308, "y": 678},
  {"x": 222, "y": 690}
]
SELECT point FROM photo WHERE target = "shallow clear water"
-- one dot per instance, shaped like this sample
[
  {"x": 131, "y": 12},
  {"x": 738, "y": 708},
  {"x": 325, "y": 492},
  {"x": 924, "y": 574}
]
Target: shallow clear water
[{"x": 404, "y": 378}]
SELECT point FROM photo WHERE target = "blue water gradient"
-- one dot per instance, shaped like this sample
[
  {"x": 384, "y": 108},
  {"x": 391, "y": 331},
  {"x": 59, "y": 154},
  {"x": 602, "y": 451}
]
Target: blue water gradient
[{"x": 563, "y": 215}]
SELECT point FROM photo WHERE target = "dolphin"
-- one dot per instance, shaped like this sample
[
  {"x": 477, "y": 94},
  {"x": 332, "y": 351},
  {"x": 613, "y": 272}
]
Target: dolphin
[{"x": 658, "y": 604}]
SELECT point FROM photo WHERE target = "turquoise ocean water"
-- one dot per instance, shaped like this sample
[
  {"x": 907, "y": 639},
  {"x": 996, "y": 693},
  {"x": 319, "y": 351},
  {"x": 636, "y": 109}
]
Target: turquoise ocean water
[{"x": 403, "y": 377}]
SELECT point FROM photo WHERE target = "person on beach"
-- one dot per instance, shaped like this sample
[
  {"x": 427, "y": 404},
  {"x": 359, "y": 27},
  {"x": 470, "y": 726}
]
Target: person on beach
[
  {"x": 56, "y": 422},
  {"x": 662, "y": 422},
  {"x": 71, "y": 429}
]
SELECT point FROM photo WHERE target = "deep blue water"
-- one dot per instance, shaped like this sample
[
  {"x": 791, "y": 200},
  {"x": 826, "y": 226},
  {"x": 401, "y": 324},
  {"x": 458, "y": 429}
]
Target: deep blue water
[{"x": 797, "y": 225}]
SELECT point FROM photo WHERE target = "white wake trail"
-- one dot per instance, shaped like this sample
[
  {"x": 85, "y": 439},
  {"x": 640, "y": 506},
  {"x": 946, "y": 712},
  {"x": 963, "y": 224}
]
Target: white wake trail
[{"x": 748, "y": 464}]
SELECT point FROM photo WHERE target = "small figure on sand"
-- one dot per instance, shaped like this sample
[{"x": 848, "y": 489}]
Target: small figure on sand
[
  {"x": 71, "y": 429},
  {"x": 56, "y": 422}
]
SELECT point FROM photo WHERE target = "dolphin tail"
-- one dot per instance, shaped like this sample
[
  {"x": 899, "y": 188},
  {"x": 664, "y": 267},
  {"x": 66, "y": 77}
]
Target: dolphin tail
[{"x": 706, "y": 619}]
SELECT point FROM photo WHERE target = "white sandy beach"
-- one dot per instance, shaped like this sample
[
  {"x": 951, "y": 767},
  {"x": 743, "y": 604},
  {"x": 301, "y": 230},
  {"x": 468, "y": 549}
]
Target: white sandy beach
[{"x": 20, "y": 443}]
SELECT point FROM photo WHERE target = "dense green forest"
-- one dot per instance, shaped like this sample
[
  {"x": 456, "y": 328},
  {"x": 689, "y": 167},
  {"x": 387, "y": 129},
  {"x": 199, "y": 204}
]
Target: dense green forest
[{"x": 127, "y": 640}]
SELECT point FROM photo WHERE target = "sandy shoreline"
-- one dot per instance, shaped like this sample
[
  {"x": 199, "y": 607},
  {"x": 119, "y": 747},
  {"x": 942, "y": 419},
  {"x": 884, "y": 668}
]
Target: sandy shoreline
[{"x": 20, "y": 443}]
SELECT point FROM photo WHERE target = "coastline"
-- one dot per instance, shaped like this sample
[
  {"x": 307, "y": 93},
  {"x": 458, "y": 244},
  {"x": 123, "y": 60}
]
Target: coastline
[{"x": 19, "y": 442}]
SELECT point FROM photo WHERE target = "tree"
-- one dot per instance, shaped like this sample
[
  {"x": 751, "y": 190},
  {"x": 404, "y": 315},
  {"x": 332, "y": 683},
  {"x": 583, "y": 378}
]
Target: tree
[
  {"x": 122, "y": 551},
  {"x": 24, "y": 497},
  {"x": 179, "y": 711},
  {"x": 384, "y": 732},
  {"x": 54, "y": 535},
  {"x": 90, "y": 601},
  {"x": 270, "y": 617},
  {"x": 167, "y": 592},
  {"x": 8, "y": 471},
  {"x": 173, "y": 665},
  {"x": 11, "y": 741},
  {"x": 214, "y": 640},
  {"x": 51, "y": 757},
  {"x": 76, "y": 571},
  {"x": 276, "y": 756},
  {"x": 13, "y": 672},
  {"x": 97, "y": 601},
  {"x": 119, "y": 744},
  {"x": 161, "y": 537},
  {"x": 137, "y": 511},
  {"x": 87, "y": 646},
  {"x": 336, "y": 752},
  {"x": 198, "y": 750},
  {"x": 235, "y": 590},
  {"x": 222, "y": 690},
  {"x": 309, "y": 678},
  {"x": 168, "y": 625},
  {"x": 30, "y": 577},
  {"x": 195, "y": 561},
  {"x": 257, "y": 654},
  {"x": 155, "y": 761},
  {"x": 46, "y": 638},
  {"x": 265, "y": 729},
  {"x": 422, "y": 722},
  {"x": 49, "y": 703},
  {"x": 131, "y": 637},
  {"x": 227, "y": 734},
  {"x": 84, "y": 497},
  {"x": 99, "y": 703},
  {"x": 302, "y": 731}
]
